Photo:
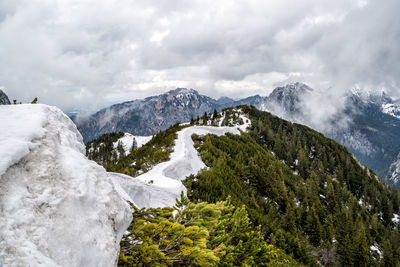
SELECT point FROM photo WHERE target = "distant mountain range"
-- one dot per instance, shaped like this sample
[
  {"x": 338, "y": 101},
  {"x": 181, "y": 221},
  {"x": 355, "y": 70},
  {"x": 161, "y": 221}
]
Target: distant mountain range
[
  {"x": 371, "y": 134},
  {"x": 156, "y": 113},
  {"x": 147, "y": 116}
]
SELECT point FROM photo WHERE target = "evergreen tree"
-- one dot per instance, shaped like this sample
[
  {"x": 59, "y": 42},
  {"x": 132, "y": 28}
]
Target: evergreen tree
[
  {"x": 361, "y": 247},
  {"x": 205, "y": 118},
  {"x": 134, "y": 145},
  {"x": 215, "y": 114},
  {"x": 313, "y": 226}
]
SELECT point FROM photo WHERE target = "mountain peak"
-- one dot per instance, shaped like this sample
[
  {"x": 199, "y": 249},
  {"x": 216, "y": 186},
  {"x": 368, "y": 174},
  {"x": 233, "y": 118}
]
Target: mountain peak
[
  {"x": 296, "y": 86},
  {"x": 372, "y": 97},
  {"x": 182, "y": 91},
  {"x": 225, "y": 100}
]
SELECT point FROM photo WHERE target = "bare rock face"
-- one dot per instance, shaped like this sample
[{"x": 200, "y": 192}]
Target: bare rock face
[{"x": 4, "y": 99}]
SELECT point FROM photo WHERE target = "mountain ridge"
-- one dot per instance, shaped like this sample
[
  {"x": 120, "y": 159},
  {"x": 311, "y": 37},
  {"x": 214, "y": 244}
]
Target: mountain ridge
[{"x": 370, "y": 133}]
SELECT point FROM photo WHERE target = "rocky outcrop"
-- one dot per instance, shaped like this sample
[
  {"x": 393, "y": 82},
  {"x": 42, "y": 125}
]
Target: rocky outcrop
[{"x": 4, "y": 98}]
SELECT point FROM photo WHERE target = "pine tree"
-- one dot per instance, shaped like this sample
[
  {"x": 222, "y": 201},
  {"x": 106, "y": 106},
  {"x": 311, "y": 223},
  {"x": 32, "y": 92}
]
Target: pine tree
[
  {"x": 205, "y": 118},
  {"x": 215, "y": 114},
  {"x": 361, "y": 248},
  {"x": 134, "y": 145},
  {"x": 120, "y": 149},
  {"x": 313, "y": 226}
]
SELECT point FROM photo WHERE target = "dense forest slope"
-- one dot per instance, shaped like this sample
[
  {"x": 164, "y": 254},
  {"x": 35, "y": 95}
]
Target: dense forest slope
[{"x": 310, "y": 197}]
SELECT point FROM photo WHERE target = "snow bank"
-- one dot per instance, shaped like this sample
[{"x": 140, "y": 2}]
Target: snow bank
[
  {"x": 18, "y": 127},
  {"x": 163, "y": 183},
  {"x": 57, "y": 207}
]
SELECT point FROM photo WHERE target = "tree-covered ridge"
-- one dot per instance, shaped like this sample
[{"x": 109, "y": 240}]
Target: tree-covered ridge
[
  {"x": 157, "y": 150},
  {"x": 312, "y": 198},
  {"x": 227, "y": 117},
  {"x": 309, "y": 152},
  {"x": 102, "y": 150},
  {"x": 201, "y": 234}
]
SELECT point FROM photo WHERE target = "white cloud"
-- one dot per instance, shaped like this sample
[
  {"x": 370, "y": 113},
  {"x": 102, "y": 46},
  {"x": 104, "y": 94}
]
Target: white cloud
[{"x": 86, "y": 54}]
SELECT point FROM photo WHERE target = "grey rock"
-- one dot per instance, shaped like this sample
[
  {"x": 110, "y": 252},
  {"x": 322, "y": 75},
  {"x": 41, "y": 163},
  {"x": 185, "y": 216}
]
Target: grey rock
[{"x": 4, "y": 99}]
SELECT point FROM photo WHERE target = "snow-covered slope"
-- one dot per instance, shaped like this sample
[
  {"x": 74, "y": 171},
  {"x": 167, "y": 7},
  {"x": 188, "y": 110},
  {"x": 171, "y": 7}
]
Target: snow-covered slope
[
  {"x": 127, "y": 141},
  {"x": 163, "y": 183},
  {"x": 391, "y": 109},
  {"x": 57, "y": 208},
  {"x": 394, "y": 171}
]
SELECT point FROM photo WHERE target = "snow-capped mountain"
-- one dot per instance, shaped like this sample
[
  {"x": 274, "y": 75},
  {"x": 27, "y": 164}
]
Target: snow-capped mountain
[
  {"x": 288, "y": 98},
  {"x": 148, "y": 116},
  {"x": 156, "y": 113},
  {"x": 372, "y": 130},
  {"x": 378, "y": 127},
  {"x": 57, "y": 207},
  {"x": 4, "y": 98}
]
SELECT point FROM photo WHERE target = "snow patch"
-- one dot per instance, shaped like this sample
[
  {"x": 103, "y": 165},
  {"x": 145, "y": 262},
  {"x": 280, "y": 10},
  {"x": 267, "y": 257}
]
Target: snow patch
[
  {"x": 391, "y": 109},
  {"x": 396, "y": 218},
  {"x": 375, "y": 249},
  {"x": 127, "y": 141}
]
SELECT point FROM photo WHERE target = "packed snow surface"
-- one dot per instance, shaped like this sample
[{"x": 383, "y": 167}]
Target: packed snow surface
[
  {"x": 162, "y": 185},
  {"x": 57, "y": 207}
]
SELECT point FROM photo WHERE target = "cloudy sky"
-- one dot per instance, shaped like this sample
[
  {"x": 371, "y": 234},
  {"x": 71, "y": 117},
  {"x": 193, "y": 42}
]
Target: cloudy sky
[{"x": 85, "y": 54}]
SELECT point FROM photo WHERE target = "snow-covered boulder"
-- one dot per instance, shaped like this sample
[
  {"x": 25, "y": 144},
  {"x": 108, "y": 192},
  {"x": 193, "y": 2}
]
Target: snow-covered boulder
[{"x": 57, "y": 208}]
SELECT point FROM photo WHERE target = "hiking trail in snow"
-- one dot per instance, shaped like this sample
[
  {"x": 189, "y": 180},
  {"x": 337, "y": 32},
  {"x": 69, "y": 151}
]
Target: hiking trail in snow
[{"x": 162, "y": 185}]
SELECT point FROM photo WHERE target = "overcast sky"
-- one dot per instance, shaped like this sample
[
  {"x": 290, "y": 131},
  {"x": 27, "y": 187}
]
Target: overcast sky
[{"x": 86, "y": 54}]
